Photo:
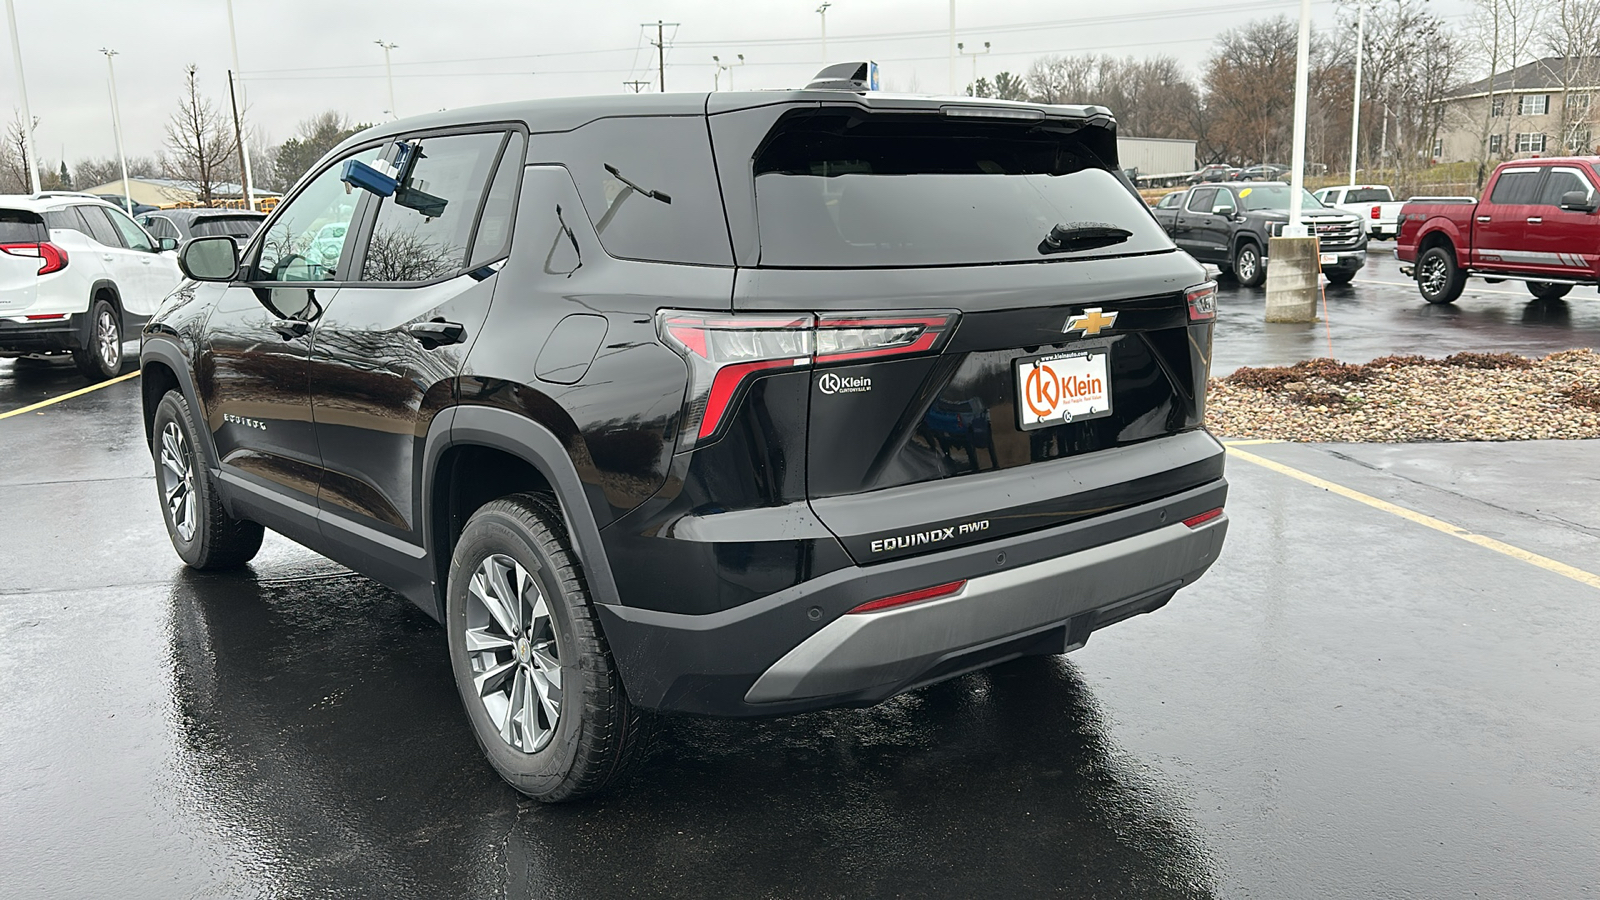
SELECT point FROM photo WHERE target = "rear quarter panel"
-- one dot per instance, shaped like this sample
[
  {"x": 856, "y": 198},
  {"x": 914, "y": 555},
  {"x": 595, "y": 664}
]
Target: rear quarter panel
[{"x": 1419, "y": 221}]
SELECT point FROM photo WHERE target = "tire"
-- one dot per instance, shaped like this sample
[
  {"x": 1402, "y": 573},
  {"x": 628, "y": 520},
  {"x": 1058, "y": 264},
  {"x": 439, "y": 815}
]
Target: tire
[
  {"x": 202, "y": 532},
  {"x": 1545, "y": 290},
  {"x": 1247, "y": 265},
  {"x": 1439, "y": 279},
  {"x": 101, "y": 356},
  {"x": 590, "y": 737},
  {"x": 1340, "y": 276}
]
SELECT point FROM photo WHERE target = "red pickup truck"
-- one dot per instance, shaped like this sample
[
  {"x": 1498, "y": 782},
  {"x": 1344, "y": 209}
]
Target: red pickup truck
[{"x": 1537, "y": 224}]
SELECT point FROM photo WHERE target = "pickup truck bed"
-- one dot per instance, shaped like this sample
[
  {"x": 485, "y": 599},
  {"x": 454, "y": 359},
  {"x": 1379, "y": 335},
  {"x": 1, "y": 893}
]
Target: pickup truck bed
[{"x": 1538, "y": 223}]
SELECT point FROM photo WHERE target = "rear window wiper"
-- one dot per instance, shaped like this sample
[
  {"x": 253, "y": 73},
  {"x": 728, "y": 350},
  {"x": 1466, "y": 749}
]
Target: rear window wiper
[
  {"x": 653, "y": 195},
  {"x": 1072, "y": 236}
]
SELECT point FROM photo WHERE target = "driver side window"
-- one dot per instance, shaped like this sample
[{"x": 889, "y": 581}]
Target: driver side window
[{"x": 307, "y": 238}]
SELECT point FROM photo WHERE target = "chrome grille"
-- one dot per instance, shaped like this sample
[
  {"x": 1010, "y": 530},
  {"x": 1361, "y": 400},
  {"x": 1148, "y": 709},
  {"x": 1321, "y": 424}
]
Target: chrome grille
[{"x": 1338, "y": 234}]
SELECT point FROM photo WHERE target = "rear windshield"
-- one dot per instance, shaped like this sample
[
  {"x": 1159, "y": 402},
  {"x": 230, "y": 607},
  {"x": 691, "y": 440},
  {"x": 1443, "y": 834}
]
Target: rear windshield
[
  {"x": 838, "y": 189},
  {"x": 229, "y": 226},
  {"x": 1367, "y": 195},
  {"x": 19, "y": 226}
]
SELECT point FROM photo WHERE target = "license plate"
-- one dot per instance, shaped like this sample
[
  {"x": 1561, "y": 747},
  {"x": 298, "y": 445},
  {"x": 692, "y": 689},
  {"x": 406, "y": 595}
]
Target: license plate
[
  {"x": 1063, "y": 387},
  {"x": 1328, "y": 259}
]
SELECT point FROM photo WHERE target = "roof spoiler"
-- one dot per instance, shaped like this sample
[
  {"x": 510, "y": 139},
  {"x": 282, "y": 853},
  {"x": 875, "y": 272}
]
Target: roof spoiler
[{"x": 848, "y": 76}]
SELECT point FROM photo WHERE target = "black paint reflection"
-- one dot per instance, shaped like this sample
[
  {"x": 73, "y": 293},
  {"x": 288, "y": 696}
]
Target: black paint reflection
[{"x": 320, "y": 728}]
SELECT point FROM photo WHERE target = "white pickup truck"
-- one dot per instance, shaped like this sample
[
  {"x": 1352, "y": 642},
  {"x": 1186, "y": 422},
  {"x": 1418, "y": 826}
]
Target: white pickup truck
[{"x": 1374, "y": 203}]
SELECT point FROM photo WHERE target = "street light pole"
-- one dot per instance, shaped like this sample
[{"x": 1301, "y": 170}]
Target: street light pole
[
  {"x": 823, "y": 12},
  {"x": 728, "y": 67},
  {"x": 116, "y": 129},
  {"x": 22, "y": 89},
  {"x": 388, "y": 73},
  {"x": 238, "y": 125},
  {"x": 1297, "y": 178},
  {"x": 1355, "y": 112},
  {"x": 952, "y": 47},
  {"x": 961, "y": 48}
]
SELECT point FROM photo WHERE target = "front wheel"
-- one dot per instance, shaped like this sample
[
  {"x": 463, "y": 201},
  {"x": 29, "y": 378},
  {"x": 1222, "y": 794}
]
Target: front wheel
[
  {"x": 1340, "y": 276},
  {"x": 1247, "y": 265},
  {"x": 100, "y": 357},
  {"x": 202, "y": 532},
  {"x": 1439, "y": 279},
  {"x": 539, "y": 683},
  {"x": 1548, "y": 290}
]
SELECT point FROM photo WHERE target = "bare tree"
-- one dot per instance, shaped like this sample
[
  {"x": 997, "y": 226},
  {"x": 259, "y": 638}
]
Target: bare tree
[
  {"x": 1572, "y": 35},
  {"x": 1408, "y": 62},
  {"x": 1501, "y": 32},
  {"x": 204, "y": 149},
  {"x": 1150, "y": 97},
  {"x": 14, "y": 178}
]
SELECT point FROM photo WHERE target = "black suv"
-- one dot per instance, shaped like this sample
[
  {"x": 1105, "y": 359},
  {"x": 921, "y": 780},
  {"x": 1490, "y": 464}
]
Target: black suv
[
  {"x": 735, "y": 404},
  {"x": 1228, "y": 225}
]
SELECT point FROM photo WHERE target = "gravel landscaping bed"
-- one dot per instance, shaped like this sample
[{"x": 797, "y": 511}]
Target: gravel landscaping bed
[{"x": 1465, "y": 397}]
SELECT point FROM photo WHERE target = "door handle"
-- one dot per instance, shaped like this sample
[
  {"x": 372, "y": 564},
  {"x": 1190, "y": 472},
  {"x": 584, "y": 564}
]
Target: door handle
[
  {"x": 437, "y": 333},
  {"x": 108, "y": 257},
  {"x": 1535, "y": 220},
  {"x": 1482, "y": 219},
  {"x": 291, "y": 328}
]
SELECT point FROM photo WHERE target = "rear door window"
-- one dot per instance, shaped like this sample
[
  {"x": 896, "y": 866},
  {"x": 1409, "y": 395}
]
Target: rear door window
[
  {"x": 99, "y": 226},
  {"x": 843, "y": 188},
  {"x": 422, "y": 232},
  {"x": 1516, "y": 187},
  {"x": 66, "y": 220},
  {"x": 649, "y": 185},
  {"x": 19, "y": 226}
]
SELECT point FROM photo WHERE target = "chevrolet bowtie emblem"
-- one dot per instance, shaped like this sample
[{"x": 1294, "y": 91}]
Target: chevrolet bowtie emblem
[{"x": 1090, "y": 321}]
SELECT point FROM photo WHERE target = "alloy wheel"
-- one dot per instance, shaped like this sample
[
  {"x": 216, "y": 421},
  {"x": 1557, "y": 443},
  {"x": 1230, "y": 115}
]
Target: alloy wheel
[
  {"x": 109, "y": 341},
  {"x": 1246, "y": 266},
  {"x": 1432, "y": 275},
  {"x": 516, "y": 659},
  {"x": 177, "y": 480}
]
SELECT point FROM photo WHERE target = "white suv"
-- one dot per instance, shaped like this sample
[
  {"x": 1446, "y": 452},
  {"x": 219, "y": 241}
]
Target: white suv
[{"x": 76, "y": 274}]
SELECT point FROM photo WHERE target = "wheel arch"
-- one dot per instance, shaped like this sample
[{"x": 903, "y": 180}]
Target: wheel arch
[
  {"x": 485, "y": 453},
  {"x": 163, "y": 367},
  {"x": 1440, "y": 233},
  {"x": 100, "y": 289}
]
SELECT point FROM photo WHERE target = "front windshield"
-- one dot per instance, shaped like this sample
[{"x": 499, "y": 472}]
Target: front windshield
[{"x": 1275, "y": 196}]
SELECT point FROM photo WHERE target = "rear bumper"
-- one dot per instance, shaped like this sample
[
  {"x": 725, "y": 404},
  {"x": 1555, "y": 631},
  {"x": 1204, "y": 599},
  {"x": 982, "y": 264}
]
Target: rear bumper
[
  {"x": 51, "y": 336},
  {"x": 1041, "y": 592}
]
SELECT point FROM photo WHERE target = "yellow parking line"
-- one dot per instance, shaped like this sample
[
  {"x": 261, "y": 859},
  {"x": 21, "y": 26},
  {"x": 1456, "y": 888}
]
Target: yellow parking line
[
  {"x": 68, "y": 396},
  {"x": 1560, "y": 568}
]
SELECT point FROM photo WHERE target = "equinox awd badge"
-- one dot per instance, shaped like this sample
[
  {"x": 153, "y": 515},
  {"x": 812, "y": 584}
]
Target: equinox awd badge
[{"x": 833, "y": 383}]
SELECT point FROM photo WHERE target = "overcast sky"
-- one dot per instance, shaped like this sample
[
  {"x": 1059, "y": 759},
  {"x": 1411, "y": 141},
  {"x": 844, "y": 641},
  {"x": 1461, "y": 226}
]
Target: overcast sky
[{"x": 300, "y": 57}]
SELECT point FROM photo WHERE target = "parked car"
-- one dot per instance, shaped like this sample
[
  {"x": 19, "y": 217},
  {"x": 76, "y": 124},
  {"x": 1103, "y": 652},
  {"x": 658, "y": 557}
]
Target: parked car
[
  {"x": 1537, "y": 224},
  {"x": 183, "y": 224},
  {"x": 1228, "y": 225},
  {"x": 1263, "y": 172},
  {"x": 132, "y": 207},
  {"x": 703, "y": 454},
  {"x": 76, "y": 276},
  {"x": 1213, "y": 172},
  {"x": 1374, "y": 203},
  {"x": 1170, "y": 201}
]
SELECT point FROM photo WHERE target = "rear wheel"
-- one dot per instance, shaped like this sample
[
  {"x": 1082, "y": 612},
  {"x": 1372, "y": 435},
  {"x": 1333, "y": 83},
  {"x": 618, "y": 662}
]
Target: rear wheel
[
  {"x": 202, "y": 532},
  {"x": 1439, "y": 279},
  {"x": 538, "y": 680},
  {"x": 1247, "y": 266},
  {"x": 1340, "y": 276},
  {"x": 1548, "y": 290},
  {"x": 101, "y": 355}
]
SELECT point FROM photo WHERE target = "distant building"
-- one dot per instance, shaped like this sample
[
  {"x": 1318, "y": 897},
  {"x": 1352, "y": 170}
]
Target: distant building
[
  {"x": 167, "y": 192},
  {"x": 1542, "y": 108}
]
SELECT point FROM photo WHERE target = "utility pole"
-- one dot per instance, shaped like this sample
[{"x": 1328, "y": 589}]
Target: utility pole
[
  {"x": 22, "y": 89},
  {"x": 660, "y": 43},
  {"x": 116, "y": 128},
  {"x": 1355, "y": 112},
  {"x": 238, "y": 137},
  {"x": 388, "y": 73},
  {"x": 962, "y": 49},
  {"x": 952, "y": 47},
  {"x": 636, "y": 85},
  {"x": 823, "y": 12}
]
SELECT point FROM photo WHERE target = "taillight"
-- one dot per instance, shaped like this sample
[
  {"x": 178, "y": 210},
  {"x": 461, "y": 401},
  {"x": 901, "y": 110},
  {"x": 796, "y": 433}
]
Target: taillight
[
  {"x": 917, "y": 596},
  {"x": 726, "y": 353},
  {"x": 1202, "y": 299},
  {"x": 1203, "y": 518},
  {"x": 1375, "y": 212},
  {"x": 51, "y": 258}
]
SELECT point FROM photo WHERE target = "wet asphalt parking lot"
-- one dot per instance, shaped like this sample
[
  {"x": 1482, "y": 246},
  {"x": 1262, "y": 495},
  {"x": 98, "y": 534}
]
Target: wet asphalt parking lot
[{"x": 1353, "y": 703}]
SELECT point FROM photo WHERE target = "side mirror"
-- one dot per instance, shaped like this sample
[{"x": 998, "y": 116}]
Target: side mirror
[
  {"x": 163, "y": 244},
  {"x": 1577, "y": 201},
  {"x": 209, "y": 258}
]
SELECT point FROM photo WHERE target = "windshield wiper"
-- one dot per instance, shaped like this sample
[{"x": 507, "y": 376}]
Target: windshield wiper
[
  {"x": 1072, "y": 236},
  {"x": 653, "y": 195}
]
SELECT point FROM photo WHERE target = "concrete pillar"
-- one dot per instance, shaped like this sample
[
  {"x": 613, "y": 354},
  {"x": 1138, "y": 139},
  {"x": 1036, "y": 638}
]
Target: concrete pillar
[{"x": 1293, "y": 278}]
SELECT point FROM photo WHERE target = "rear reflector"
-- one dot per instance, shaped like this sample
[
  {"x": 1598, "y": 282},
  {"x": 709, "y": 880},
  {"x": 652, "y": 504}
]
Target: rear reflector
[
  {"x": 1202, "y": 299},
  {"x": 47, "y": 317},
  {"x": 943, "y": 590},
  {"x": 1197, "y": 521}
]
